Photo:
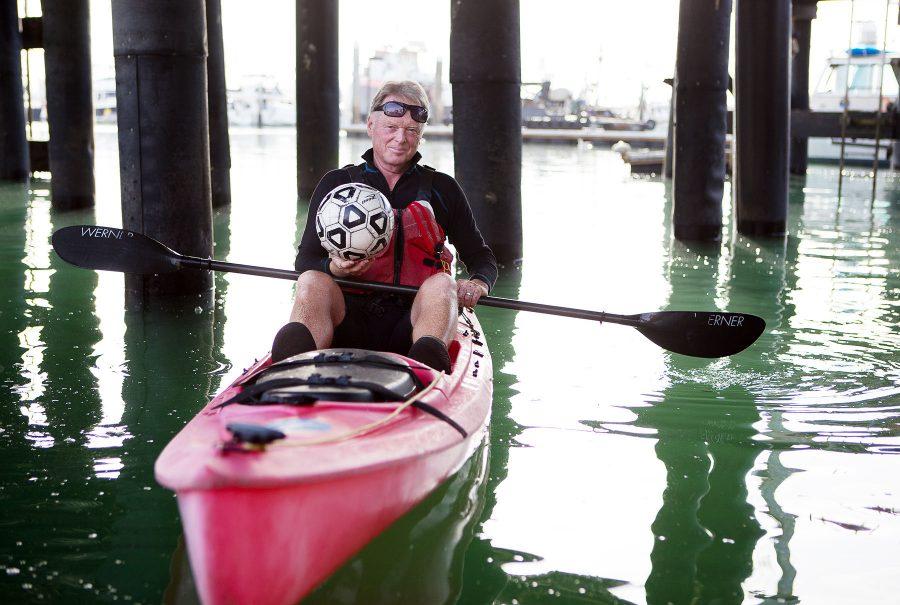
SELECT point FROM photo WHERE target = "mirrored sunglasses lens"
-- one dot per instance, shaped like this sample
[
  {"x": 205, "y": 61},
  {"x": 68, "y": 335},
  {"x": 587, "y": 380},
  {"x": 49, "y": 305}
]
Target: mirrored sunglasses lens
[
  {"x": 419, "y": 114},
  {"x": 394, "y": 109}
]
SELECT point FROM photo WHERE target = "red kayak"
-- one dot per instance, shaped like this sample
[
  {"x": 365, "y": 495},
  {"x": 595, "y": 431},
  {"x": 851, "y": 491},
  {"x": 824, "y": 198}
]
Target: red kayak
[{"x": 297, "y": 465}]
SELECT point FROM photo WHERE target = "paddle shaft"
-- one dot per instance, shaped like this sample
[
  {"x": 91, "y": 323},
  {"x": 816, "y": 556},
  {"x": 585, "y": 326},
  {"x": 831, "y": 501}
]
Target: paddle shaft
[
  {"x": 488, "y": 301},
  {"x": 697, "y": 333}
]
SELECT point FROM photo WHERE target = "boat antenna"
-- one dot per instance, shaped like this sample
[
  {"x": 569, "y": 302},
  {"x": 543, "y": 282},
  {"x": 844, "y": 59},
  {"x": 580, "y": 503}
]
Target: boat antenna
[
  {"x": 845, "y": 117},
  {"x": 887, "y": 8}
]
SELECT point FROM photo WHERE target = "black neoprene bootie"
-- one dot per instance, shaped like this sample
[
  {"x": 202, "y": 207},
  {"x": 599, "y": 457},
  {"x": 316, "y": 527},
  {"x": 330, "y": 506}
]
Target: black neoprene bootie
[
  {"x": 432, "y": 352},
  {"x": 292, "y": 339}
]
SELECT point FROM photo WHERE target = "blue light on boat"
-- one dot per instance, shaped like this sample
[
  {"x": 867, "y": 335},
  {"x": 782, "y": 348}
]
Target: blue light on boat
[{"x": 864, "y": 51}]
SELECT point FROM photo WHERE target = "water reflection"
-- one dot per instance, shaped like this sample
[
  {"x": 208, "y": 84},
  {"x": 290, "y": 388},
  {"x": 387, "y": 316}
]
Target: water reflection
[
  {"x": 37, "y": 285},
  {"x": 760, "y": 273},
  {"x": 93, "y": 395},
  {"x": 706, "y": 530},
  {"x": 13, "y": 348},
  {"x": 171, "y": 362},
  {"x": 840, "y": 346},
  {"x": 420, "y": 559}
]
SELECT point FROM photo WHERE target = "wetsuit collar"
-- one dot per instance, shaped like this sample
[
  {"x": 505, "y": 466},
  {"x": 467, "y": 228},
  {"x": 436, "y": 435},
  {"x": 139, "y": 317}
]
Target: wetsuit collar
[{"x": 369, "y": 157}]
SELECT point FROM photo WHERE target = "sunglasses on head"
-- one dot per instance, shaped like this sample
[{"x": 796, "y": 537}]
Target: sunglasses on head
[{"x": 396, "y": 109}]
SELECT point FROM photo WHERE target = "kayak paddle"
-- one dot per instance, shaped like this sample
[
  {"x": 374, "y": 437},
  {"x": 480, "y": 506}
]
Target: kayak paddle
[{"x": 695, "y": 333}]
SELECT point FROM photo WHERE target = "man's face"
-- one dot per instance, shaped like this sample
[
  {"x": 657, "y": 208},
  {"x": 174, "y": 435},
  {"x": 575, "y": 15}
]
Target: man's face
[{"x": 394, "y": 140}]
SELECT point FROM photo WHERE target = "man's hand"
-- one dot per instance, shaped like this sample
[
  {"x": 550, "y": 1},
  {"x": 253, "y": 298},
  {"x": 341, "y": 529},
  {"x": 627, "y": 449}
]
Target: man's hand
[
  {"x": 468, "y": 291},
  {"x": 348, "y": 268}
]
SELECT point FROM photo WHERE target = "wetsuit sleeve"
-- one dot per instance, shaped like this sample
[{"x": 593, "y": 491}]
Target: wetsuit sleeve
[
  {"x": 464, "y": 234},
  {"x": 311, "y": 255}
]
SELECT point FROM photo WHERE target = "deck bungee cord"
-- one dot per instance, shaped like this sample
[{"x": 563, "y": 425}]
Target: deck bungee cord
[
  {"x": 236, "y": 444},
  {"x": 258, "y": 389}
]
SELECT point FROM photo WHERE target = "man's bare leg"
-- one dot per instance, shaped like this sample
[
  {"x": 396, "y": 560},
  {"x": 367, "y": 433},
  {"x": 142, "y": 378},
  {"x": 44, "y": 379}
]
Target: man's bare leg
[
  {"x": 318, "y": 308},
  {"x": 433, "y": 318},
  {"x": 319, "y": 305},
  {"x": 434, "y": 309}
]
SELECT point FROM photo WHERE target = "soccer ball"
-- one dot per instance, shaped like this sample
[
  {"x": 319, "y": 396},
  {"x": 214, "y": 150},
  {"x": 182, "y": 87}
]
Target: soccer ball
[{"x": 354, "y": 221}]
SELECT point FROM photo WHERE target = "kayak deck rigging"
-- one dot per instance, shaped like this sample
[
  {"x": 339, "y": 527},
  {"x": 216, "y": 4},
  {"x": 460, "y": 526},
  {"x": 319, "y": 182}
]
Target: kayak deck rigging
[
  {"x": 333, "y": 375},
  {"x": 253, "y": 437}
]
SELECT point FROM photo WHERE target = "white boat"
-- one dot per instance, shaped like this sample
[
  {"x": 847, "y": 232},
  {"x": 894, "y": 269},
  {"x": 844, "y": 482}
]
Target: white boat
[
  {"x": 862, "y": 67},
  {"x": 105, "y": 100},
  {"x": 259, "y": 101}
]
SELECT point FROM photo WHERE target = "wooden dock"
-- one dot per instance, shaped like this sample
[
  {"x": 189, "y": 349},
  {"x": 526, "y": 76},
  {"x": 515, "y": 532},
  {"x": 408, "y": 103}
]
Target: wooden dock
[{"x": 636, "y": 138}]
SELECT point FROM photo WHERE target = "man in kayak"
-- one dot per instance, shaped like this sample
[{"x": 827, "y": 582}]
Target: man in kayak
[{"x": 428, "y": 205}]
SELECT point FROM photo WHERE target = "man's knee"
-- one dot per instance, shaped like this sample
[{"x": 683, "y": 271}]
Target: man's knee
[
  {"x": 316, "y": 286},
  {"x": 318, "y": 296},
  {"x": 436, "y": 294},
  {"x": 440, "y": 284},
  {"x": 434, "y": 309}
]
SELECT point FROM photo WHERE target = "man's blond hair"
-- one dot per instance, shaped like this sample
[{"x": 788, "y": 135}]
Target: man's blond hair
[{"x": 407, "y": 89}]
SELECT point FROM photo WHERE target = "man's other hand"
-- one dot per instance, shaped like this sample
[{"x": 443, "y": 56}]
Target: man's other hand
[
  {"x": 348, "y": 268},
  {"x": 468, "y": 291}
]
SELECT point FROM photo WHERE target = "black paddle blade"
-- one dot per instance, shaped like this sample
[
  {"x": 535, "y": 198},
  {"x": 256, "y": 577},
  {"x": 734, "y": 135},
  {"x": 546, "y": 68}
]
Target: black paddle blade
[
  {"x": 709, "y": 334},
  {"x": 111, "y": 249}
]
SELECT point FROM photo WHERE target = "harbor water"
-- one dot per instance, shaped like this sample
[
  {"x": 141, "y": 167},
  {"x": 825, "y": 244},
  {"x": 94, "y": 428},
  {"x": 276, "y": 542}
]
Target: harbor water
[{"x": 614, "y": 471}]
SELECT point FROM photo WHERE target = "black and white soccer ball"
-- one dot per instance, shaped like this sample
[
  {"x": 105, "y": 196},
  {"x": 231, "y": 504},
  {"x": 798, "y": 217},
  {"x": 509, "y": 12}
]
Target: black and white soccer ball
[{"x": 354, "y": 221}]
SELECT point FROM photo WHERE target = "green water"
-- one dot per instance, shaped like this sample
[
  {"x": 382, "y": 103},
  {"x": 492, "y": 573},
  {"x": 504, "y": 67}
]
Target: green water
[{"x": 615, "y": 472}]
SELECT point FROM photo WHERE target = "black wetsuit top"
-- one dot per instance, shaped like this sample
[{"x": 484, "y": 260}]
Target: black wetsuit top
[{"x": 451, "y": 209}]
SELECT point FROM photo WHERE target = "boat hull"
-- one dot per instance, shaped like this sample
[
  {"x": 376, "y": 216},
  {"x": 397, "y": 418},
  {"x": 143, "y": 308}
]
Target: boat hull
[{"x": 276, "y": 545}]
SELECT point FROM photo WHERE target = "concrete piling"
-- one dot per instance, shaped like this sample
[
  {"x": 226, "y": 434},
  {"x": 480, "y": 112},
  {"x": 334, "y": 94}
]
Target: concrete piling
[
  {"x": 485, "y": 72},
  {"x": 161, "y": 94},
  {"x": 13, "y": 144},
  {"x": 70, "y": 104},
  {"x": 803, "y": 12},
  {"x": 701, "y": 80},
  {"x": 219, "y": 143},
  {"x": 318, "y": 94},
  {"x": 762, "y": 116}
]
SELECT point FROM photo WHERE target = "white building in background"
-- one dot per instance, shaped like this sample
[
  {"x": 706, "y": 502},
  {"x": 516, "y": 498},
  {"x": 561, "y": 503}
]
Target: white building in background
[
  {"x": 105, "y": 100},
  {"x": 259, "y": 100},
  {"x": 403, "y": 64}
]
